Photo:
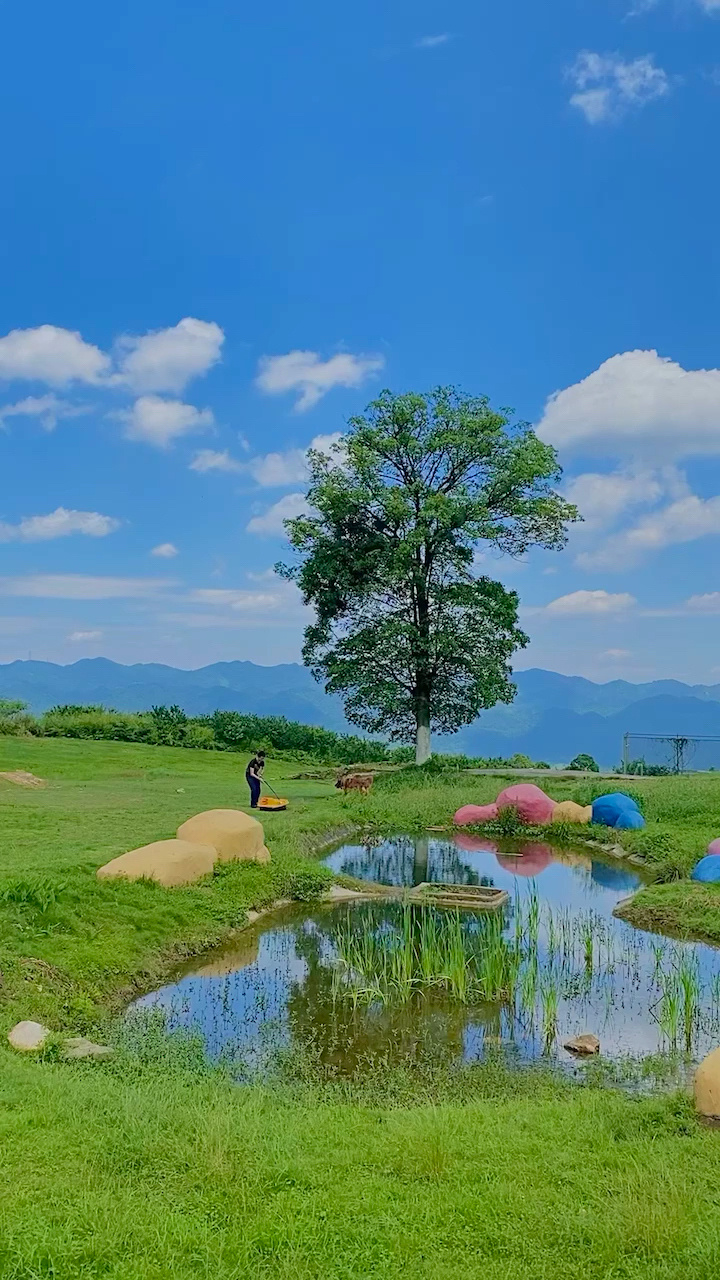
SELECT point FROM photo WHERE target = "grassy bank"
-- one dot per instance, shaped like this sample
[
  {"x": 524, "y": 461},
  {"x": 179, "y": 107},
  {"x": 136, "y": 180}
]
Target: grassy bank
[
  {"x": 166, "y": 1175},
  {"x": 157, "y": 1168},
  {"x": 70, "y": 943}
]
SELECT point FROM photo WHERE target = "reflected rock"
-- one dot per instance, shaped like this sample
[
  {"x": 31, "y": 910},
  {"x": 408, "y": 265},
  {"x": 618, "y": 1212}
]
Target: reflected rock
[
  {"x": 530, "y": 860},
  {"x": 613, "y": 877},
  {"x": 475, "y": 844}
]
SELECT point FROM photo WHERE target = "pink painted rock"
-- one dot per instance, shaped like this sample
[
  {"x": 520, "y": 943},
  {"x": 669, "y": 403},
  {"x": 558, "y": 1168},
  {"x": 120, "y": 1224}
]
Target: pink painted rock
[
  {"x": 714, "y": 847},
  {"x": 472, "y": 813},
  {"x": 533, "y": 806}
]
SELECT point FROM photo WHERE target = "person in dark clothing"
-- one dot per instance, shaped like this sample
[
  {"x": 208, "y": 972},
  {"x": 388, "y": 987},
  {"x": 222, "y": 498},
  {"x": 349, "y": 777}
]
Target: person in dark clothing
[{"x": 253, "y": 774}]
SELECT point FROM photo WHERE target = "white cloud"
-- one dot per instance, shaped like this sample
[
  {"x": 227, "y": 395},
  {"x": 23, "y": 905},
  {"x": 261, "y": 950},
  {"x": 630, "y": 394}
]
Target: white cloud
[
  {"x": 686, "y": 520},
  {"x": 165, "y": 551},
  {"x": 305, "y": 372},
  {"x": 616, "y": 655},
  {"x": 271, "y": 522},
  {"x": 52, "y": 355},
  {"x": 240, "y": 601},
  {"x": 433, "y": 42},
  {"x": 211, "y": 460},
  {"x": 602, "y": 497},
  {"x": 590, "y": 602},
  {"x": 167, "y": 359},
  {"x": 274, "y": 470},
  {"x": 58, "y": 524},
  {"x": 637, "y": 404},
  {"x": 607, "y": 86},
  {"x": 708, "y": 603},
  {"x": 78, "y": 586},
  {"x": 83, "y": 637},
  {"x": 49, "y": 409},
  {"x": 159, "y": 422}
]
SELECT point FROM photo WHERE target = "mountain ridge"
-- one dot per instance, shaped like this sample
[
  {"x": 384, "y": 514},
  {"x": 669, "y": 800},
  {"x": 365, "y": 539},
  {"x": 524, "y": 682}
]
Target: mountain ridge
[{"x": 553, "y": 716}]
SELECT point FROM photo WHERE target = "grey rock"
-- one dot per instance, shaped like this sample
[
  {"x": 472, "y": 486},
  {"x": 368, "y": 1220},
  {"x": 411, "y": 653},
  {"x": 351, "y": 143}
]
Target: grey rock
[
  {"x": 79, "y": 1047},
  {"x": 28, "y": 1036}
]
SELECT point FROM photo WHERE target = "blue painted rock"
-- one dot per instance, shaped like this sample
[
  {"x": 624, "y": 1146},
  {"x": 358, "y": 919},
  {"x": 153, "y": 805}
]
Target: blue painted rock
[
  {"x": 608, "y": 811},
  {"x": 707, "y": 870},
  {"x": 630, "y": 820}
]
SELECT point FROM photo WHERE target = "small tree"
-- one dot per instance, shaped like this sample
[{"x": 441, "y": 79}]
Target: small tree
[
  {"x": 406, "y": 630},
  {"x": 584, "y": 764}
]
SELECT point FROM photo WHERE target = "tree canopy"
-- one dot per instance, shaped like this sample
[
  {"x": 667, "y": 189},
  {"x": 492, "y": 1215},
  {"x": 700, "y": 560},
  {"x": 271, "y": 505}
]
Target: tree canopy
[{"x": 407, "y": 629}]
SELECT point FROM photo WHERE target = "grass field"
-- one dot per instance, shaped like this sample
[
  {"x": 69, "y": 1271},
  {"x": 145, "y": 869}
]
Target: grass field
[{"x": 159, "y": 1168}]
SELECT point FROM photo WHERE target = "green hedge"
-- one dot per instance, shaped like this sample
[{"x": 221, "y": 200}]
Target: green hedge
[{"x": 227, "y": 731}]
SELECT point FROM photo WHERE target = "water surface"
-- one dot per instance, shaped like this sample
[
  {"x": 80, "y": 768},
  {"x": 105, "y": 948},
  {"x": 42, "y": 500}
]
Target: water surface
[{"x": 278, "y": 990}]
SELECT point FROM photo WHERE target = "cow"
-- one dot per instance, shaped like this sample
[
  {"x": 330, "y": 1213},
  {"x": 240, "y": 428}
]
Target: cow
[{"x": 361, "y": 782}]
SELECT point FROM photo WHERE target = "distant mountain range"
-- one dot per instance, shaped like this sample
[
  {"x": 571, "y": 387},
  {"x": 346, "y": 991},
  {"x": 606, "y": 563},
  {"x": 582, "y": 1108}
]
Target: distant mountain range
[{"x": 552, "y": 718}]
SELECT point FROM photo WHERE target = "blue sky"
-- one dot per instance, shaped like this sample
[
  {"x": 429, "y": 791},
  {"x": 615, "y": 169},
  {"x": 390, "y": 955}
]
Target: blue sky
[{"x": 222, "y": 231}]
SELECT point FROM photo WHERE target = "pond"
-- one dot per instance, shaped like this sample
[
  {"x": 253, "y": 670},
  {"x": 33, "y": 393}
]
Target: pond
[{"x": 384, "y": 980}]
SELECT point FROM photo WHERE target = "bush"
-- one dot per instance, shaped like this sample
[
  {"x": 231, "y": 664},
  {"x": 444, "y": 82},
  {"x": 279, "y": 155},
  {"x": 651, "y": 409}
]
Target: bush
[
  {"x": 309, "y": 883},
  {"x": 14, "y": 718},
  {"x": 589, "y": 791},
  {"x": 240, "y": 732},
  {"x": 508, "y": 821},
  {"x": 584, "y": 763},
  {"x": 199, "y": 736}
]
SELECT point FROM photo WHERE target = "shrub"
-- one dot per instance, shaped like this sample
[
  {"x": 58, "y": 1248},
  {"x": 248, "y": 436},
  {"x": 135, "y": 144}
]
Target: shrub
[
  {"x": 15, "y": 720},
  {"x": 309, "y": 883},
  {"x": 584, "y": 763},
  {"x": 589, "y": 791},
  {"x": 509, "y": 822},
  {"x": 199, "y": 736}
]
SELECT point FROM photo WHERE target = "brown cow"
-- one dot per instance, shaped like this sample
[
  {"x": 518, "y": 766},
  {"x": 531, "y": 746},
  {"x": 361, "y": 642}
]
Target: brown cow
[{"x": 361, "y": 782}]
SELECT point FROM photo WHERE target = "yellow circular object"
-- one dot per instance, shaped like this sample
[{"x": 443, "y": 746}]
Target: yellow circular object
[{"x": 272, "y": 803}]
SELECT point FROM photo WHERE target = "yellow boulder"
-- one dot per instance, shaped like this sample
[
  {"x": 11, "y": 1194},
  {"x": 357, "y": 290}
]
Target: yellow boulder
[
  {"x": 707, "y": 1086},
  {"x": 233, "y": 834},
  {"x": 568, "y": 811},
  {"x": 170, "y": 862}
]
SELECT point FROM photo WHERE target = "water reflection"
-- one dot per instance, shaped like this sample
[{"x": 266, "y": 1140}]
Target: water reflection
[{"x": 277, "y": 990}]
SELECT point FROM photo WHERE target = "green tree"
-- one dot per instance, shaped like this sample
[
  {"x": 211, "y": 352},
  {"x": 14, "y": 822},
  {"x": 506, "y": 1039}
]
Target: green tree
[
  {"x": 584, "y": 763},
  {"x": 406, "y": 629}
]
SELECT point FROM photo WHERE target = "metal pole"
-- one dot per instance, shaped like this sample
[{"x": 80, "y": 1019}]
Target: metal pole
[{"x": 626, "y": 759}]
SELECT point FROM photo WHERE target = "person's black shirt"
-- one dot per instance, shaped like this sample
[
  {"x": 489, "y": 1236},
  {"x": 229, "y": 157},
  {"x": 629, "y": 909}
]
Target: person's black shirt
[{"x": 257, "y": 765}]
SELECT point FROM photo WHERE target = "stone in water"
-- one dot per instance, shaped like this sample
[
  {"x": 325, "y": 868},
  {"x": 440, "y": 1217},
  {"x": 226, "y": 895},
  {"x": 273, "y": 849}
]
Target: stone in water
[{"x": 585, "y": 1044}]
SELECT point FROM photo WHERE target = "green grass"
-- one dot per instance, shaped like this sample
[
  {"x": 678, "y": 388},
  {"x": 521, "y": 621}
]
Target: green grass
[
  {"x": 160, "y": 1169},
  {"x": 184, "y": 1177}
]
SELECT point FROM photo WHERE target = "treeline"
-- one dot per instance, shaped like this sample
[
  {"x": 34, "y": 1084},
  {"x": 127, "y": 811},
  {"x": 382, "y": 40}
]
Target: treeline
[{"x": 225, "y": 731}]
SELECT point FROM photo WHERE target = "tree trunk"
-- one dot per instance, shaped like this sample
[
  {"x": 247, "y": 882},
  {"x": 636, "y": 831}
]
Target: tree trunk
[{"x": 422, "y": 736}]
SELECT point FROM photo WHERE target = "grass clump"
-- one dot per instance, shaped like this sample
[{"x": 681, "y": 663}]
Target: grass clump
[{"x": 392, "y": 957}]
